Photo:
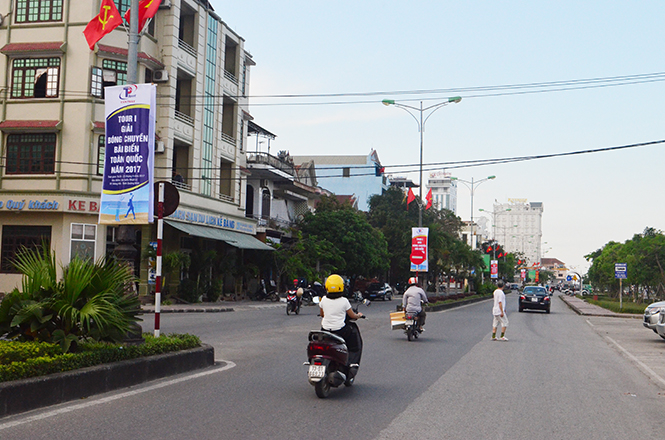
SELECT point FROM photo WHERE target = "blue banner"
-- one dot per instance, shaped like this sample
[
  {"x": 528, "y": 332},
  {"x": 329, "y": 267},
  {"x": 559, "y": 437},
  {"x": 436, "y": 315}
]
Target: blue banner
[{"x": 127, "y": 191}]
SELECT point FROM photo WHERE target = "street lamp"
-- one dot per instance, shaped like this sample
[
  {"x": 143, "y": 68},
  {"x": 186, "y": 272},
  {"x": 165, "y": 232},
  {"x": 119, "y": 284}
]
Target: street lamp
[
  {"x": 472, "y": 186},
  {"x": 494, "y": 213},
  {"x": 421, "y": 128}
]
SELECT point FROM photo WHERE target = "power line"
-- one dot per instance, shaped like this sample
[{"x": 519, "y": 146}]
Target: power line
[{"x": 399, "y": 168}]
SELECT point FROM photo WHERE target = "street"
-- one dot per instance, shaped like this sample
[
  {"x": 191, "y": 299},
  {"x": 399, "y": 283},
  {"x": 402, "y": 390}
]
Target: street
[{"x": 556, "y": 378}]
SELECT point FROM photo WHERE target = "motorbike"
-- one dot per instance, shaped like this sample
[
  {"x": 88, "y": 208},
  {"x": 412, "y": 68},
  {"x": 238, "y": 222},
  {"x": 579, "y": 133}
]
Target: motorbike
[
  {"x": 292, "y": 302},
  {"x": 412, "y": 326},
  {"x": 264, "y": 294},
  {"x": 330, "y": 363}
]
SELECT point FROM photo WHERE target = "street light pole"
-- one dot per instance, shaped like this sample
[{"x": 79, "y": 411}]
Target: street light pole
[
  {"x": 472, "y": 186},
  {"x": 421, "y": 128}
]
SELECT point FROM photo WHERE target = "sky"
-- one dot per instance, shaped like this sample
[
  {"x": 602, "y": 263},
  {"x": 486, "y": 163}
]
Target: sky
[{"x": 428, "y": 51}]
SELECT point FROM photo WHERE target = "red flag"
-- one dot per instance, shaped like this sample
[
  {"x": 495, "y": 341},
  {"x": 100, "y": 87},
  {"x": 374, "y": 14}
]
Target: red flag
[
  {"x": 108, "y": 19},
  {"x": 410, "y": 197},
  {"x": 428, "y": 197},
  {"x": 147, "y": 9}
]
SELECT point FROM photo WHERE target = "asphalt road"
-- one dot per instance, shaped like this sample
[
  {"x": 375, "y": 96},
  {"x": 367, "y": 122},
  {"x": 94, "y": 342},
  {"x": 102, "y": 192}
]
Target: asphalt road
[{"x": 556, "y": 378}]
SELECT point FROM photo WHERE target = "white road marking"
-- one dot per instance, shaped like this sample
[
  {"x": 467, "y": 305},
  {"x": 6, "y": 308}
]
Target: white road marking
[
  {"x": 103, "y": 400},
  {"x": 641, "y": 364}
]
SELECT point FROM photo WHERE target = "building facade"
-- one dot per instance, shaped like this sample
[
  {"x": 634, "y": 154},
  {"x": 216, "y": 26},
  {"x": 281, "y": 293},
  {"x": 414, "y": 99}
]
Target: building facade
[
  {"x": 52, "y": 126},
  {"x": 518, "y": 226},
  {"x": 358, "y": 176},
  {"x": 444, "y": 191}
]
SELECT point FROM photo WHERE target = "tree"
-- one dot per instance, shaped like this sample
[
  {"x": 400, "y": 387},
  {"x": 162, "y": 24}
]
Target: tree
[
  {"x": 90, "y": 301},
  {"x": 339, "y": 236}
]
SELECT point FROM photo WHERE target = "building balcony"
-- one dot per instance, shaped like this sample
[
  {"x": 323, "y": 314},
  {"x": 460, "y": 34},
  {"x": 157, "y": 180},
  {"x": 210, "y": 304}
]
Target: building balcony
[
  {"x": 186, "y": 56},
  {"x": 266, "y": 166}
]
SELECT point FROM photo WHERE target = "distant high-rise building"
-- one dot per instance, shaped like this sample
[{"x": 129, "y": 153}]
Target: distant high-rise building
[
  {"x": 444, "y": 191},
  {"x": 518, "y": 226}
]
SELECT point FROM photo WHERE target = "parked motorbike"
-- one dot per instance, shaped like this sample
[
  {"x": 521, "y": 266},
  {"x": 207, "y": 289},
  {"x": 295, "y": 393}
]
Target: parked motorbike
[
  {"x": 265, "y": 294},
  {"x": 292, "y": 302},
  {"x": 330, "y": 363}
]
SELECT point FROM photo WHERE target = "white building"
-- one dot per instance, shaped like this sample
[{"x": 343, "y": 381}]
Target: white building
[
  {"x": 53, "y": 139},
  {"x": 518, "y": 226},
  {"x": 444, "y": 191}
]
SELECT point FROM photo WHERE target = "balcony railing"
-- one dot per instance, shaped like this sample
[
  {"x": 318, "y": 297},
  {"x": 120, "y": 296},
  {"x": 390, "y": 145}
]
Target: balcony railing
[
  {"x": 225, "y": 197},
  {"x": 229, "y": 139},
  {"x": 184, "y": 117},
  {"x": 187, "y": 48},
  {"x": 272, "y": 222},
  {"x": 231, "y": 77},
  {"x": 275, "y": 162}
]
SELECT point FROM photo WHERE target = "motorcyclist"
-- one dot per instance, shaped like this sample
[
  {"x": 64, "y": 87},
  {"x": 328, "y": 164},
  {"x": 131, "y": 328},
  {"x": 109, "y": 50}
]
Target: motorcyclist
[
  {"x": 334, "y": 309},
  {"x": 411, "y": 301}
]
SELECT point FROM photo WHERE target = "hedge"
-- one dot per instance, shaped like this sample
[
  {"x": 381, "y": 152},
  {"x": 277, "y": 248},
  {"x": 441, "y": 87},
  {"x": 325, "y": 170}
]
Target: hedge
[{"x": 20, "y": 360}]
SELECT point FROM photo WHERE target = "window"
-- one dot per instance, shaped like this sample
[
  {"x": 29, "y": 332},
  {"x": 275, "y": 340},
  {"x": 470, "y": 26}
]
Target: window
[
  {"x": 83, "y": 241},
  {"x": 28, "y": 11},
  {"x": 346, "y": 172},
  {"x": 101, "y": 154},
  {"x": 112, "y": 73},
  {"x": 31, "y": 153},
  {"x": 17, "y": 238},
  {"x": 123, "y": 6},
  {"x": 35, "y": 77}
]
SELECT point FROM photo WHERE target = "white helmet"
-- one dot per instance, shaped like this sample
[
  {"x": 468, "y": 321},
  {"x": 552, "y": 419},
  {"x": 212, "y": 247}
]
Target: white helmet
[{"x": 413, "y": 281}]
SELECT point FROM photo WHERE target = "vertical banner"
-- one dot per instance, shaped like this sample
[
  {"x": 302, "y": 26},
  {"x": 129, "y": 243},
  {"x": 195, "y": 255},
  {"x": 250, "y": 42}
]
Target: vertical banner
[
  {"x": 494, "y": 269},
  {"x": 523, "y": 274},
  {"x": 127, "y": 190},
  {"x": 419, "y": 249}
]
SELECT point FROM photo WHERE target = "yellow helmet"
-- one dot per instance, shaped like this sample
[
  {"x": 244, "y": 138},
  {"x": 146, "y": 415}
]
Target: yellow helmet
[{"x": 334, "y": 283}]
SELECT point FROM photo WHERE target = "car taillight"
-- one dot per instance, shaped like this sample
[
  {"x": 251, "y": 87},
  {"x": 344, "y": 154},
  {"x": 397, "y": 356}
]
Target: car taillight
[
  {"x": 522, "y": 297},
  {"x": 547, "y": 298}
]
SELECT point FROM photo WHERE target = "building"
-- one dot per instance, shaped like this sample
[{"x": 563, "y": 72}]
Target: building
[
  {"x": 401, "y": 182},
  {"x": 518, "y": 226},
  {"x": 52, "y": 125},
  {"x": 480, "y": 232},
  {"x": 278, "y": 192},
  {"x": 557, "y": 267},
  {"x": 356, "y": 175},
  {"x": 444, "y": 191}
]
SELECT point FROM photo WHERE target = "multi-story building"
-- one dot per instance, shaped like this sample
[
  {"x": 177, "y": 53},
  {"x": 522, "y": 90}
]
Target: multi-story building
[
  {"x": 475, "y": 236},
  {"x": 518, "y": 225},
  {"x": 444, "y": 191},
  {"x": 52, "y": 124},
  {"x": 556, "y": 266},
  {"x": 358, "y": 176},
  {"x": 278, "y": 192}
]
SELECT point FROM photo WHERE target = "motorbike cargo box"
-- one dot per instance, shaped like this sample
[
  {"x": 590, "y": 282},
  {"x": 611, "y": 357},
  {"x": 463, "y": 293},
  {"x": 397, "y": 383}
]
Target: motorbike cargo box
[{"x": 397, "y": 320}]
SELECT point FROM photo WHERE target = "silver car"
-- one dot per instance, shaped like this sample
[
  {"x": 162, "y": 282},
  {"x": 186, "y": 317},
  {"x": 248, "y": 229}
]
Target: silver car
[
  {"x": 660, "y": 325},
  {"x": 651, "y": 314}
]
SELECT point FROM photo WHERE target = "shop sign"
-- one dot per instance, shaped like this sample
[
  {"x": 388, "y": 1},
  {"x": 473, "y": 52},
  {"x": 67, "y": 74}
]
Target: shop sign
[
  {"x": 50, "y": 205},
  {"x": 213, "y": 220}
]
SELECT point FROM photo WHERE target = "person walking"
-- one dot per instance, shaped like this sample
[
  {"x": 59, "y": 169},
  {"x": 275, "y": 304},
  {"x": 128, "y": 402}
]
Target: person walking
[{"x": 499, "y": 312}]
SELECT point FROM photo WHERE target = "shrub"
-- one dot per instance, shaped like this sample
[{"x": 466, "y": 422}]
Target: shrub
[{"x": 48, "y": 359}]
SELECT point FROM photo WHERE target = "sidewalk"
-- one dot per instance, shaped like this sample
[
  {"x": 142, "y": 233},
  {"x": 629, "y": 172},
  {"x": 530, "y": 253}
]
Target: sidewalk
[
  {"x": 218, "y": 307},
  {"x": 582, "y": 307}
]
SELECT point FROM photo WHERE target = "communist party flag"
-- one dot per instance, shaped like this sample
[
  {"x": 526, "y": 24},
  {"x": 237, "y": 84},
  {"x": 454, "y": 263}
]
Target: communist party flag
[
  {"x": 410, "y": 197},
  {"x": 147, "y": 9},
  {"x": 108, "y": 19},
  {"x": 428, "y": 197}
]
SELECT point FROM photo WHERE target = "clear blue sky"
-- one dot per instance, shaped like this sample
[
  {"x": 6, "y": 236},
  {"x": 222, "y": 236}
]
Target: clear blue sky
[{"x": 315, "y": 47}]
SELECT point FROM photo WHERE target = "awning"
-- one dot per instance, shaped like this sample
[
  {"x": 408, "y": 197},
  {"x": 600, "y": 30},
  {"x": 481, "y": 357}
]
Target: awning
[{"x": 236, "y": 239}]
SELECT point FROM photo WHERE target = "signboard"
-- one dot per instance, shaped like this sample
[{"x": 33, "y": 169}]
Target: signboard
[
  {"x": 523, "y": 274},
  {"x": 419, "y": 249},
  {"x": 494, "y": 269},
  {"x": 127, "y": 188},
  {"x": 486, "y": 262},
  {"x": 620, "y": 271}
]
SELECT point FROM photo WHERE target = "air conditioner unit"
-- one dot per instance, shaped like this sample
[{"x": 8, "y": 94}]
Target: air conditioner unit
[
  {"x": 159, "y": 147},
  {"x": 160, "y": 76},
  {"x": 166, "y": 4}
]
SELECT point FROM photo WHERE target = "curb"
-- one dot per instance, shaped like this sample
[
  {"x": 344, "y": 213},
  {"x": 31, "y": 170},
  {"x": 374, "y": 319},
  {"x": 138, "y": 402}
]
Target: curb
[
  {"x": 27, "y": 394},
  {"x": 190, "y": 310},
  {"x": 603, "y": 313},
  {"x": 452, "y": 305}
]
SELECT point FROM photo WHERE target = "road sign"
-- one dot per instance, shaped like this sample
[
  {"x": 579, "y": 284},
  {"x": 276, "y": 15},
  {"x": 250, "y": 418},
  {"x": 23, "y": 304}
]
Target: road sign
[
  {"x": 620, "y": 270},
  {"x": 569, "y": 278}
]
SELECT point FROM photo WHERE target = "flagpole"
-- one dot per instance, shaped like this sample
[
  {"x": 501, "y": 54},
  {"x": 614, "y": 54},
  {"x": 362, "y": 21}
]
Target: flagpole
[{"x": 133, "y": 43}]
